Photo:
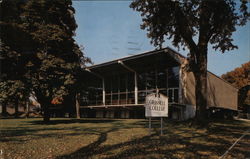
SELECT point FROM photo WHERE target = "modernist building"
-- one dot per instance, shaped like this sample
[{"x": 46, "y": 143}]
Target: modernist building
[{"x": 117, "y": 89}]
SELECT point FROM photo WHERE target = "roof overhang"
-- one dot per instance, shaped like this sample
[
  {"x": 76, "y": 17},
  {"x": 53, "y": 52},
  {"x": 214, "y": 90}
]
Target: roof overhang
[{"x": 153, "y": 59}]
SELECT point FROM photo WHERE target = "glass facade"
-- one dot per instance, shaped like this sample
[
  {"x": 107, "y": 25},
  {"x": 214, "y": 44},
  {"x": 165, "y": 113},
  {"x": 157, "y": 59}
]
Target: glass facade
[{"x": 120, "y": 88}]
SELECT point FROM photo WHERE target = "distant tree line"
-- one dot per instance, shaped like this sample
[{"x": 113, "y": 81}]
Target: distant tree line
[{"x": 38, "y": 52}]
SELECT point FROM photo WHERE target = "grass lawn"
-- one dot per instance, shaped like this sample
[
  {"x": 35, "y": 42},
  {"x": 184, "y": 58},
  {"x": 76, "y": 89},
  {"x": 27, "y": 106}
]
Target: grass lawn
[{"x": 104, "y": 138}]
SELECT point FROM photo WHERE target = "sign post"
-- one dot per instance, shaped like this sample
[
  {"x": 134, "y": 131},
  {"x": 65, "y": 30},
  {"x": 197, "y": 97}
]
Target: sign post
[
  {"x": 149, "y": 125},
  {"x": 161, "y": 127},
  {"x": 156, "y": 105}
]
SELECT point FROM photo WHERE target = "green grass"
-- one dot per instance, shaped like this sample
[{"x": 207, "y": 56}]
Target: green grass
[{"x": 103, "y": 138}]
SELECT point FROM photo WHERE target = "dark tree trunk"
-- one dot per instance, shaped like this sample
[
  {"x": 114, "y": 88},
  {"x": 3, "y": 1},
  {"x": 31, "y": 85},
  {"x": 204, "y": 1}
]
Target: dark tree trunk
[
  {"x": 16, "y": 109},
  {"x": 201, "y": 98},
  {"x": 45, "y": 105},
  {"x": 46, "y": 113},
  {"x": 27, "y": 108},
  {"x": 4, "y": 109},
  {"x": 77, "y": 106},
  {"x": 200, "y": 75}
]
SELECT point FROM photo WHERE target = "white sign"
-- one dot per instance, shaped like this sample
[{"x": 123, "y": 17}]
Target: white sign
[{"x": 156, "y": 105}]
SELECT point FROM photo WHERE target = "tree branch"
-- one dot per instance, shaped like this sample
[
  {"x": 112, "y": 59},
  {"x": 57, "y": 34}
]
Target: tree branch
[
  {"x": 185, "y": 31},
  {"x": 204, "y": 25}
]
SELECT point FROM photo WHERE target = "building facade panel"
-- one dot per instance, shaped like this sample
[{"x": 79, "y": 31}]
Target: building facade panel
[{"x": 220, "y": 94}]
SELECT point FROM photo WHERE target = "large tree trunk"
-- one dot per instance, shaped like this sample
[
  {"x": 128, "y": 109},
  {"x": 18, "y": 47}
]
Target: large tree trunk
[
  {"x": 46, "y": 113},
  {"x": 45, "y": 105},
  {"x": 201, "y": 98},
  {"x": 16, "y": 109}
]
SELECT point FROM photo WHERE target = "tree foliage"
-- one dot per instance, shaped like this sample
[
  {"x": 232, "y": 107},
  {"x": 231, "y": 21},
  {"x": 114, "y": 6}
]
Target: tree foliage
[
  {"x": 193, "y": 24},
  {"x": 240, "y": 78},
  {"x": 181, "y": 21},
  {"x": 39, "y": 49}
]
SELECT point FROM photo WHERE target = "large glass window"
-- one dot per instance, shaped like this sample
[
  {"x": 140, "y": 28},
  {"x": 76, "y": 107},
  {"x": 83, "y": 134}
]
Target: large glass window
[
  {"x": 161, "y": 79},
  {"x": 120, "y": 88},
  {"x": 108, "y": 84},
  {"x": 173, "y": 77},
  {"x": 93, "y": 93},
  {"x": 115, "y": 83},
  {"x": 151, "y": 80},
  {"x": 141, "y": 97},
  {"x": 173, "y": 95},
  {"x": 123, "y": 82},
  {"x": 131, "y": 82}
]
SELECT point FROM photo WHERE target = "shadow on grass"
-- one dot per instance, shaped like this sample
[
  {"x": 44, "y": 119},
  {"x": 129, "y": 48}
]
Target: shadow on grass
[
  {"x": 197, "y": 145},
  {"x": 36, "y": 129},
  {"x": 95, "y": 148},
  {"x": 143, "y": 146},
  {"x": 179, "y": 138},
  {"x": 21, "y": 134}
]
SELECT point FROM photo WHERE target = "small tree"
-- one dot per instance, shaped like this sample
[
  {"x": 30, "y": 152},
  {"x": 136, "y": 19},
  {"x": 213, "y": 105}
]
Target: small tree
[{"x": 182, "y": 21}]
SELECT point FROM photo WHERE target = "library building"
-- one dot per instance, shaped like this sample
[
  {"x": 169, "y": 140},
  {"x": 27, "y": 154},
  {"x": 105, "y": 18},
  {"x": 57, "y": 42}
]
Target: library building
[{"x": 118, "y": 88}]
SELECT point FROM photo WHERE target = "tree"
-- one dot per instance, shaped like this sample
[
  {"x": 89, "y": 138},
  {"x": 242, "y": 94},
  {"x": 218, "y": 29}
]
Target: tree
[
  {"x": 48, "y": 55},
  {"x": 239, "y": 78},
  {"x": 193, "y": 24},
  {"x": 13, "y": 87}
]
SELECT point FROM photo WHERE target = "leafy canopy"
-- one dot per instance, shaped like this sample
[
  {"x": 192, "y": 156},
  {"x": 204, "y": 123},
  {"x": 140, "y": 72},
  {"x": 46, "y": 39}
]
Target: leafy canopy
[
  {"x": 239, "y": 77},
  {"x": 38, "y": 48},
  {"x": 181, "y": 20}
]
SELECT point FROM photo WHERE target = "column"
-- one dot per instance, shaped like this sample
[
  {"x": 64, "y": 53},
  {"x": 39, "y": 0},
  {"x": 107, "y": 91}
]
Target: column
[
  {"x": 103, "y": 91},
  {"x": 136, "y": 89}
]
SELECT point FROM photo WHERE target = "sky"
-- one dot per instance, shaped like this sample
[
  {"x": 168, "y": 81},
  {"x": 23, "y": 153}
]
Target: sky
[{"x": 110, "y": 30}]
